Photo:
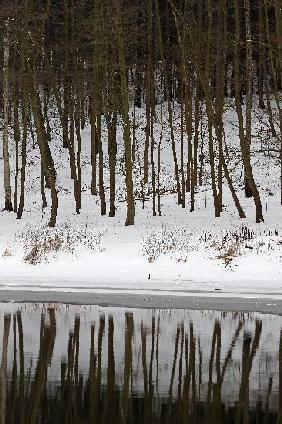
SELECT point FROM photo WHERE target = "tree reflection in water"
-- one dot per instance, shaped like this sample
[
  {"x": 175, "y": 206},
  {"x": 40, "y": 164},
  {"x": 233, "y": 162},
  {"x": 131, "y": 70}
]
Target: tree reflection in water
[{"x": 82, "y": 365}]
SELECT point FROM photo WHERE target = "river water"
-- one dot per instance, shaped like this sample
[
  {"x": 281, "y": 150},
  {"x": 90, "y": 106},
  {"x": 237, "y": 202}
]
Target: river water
[{"x": 89, "y": 364}]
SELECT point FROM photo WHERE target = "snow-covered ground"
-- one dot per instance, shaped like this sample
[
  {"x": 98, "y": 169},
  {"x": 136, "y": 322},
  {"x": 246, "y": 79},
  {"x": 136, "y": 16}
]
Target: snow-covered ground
[{"x": 177, "y": 252}]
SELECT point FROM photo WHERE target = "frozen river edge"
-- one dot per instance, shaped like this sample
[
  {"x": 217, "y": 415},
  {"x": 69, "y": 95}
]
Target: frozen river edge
[{"x": 266, "y": 304}]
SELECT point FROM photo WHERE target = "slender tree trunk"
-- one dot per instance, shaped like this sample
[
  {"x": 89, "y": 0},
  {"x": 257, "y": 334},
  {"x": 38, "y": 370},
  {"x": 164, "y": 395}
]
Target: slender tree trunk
[
  {"x": 125, "y": 114},
  {"x": 101, "y": 166},
  {"x": 249, "y": 93},
  {"x": 6, "y": 156},
  {"x": 112, "y": 151},
  {"x": 148, "y": 89},
  {"x": 93, "y": 149},
  {"x": 45, "y": 152},
  {"x": 183, "y": 185},
  {"x": 217, "y": 208},
  {"x": 277, "y": 77},
  {"x": 78, "y": 158},
  {"x": 261, "y": 48},
  {"x": 245, "y": 136},
  {"x": 17, "y": 136},
  {"x": 169, "y": 106},
  {"x": 219, "y": 88},
  {"x": 159, "y": 177},
  {"x": 196, "y": 134},
  {"x": 24, "y": 104}
]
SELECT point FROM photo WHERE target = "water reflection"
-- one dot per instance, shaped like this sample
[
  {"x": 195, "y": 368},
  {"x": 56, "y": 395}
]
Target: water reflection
[{"x": 77, "y": 365}]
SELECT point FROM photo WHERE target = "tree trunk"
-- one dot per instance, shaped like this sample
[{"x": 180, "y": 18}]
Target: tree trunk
[
  {"x": 245, "y": 137},
  {"x": 93, "y": 149},
  {"x": 17, "y": 136},
  {"x": 24, "y": 104},
  {"x": 101, "y": 166},
  {"x": 6, "y": 157},
  {"x": 78, "y": 159},
  {"x": 45, "y": 152},
  {"x": 112, "y": 151},
  {"x": 125, "y": 114}
]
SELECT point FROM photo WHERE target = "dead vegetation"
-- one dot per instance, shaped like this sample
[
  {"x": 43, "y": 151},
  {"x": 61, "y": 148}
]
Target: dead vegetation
[
  {"x": 178, "y": 243},
  {"x": 42, "y": 244},
  {"x": 242, "y": 240},
  {"x": 174, "y": 242},
  {"x": 7, "y": 253}
]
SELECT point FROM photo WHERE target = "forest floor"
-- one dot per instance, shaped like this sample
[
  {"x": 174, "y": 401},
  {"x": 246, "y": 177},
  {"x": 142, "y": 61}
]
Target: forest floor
[{"x": 179, "y": 252}]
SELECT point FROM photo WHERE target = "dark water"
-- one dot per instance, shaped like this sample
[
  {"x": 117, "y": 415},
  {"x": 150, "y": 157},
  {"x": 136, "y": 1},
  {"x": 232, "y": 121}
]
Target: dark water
[{"x": 63, "y": 364}]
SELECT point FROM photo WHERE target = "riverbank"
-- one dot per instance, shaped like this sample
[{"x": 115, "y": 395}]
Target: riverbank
[{"x": 176, "y": 252}]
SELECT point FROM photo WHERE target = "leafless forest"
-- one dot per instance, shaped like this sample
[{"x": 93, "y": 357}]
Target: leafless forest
[{"x": 97, "y": 63}]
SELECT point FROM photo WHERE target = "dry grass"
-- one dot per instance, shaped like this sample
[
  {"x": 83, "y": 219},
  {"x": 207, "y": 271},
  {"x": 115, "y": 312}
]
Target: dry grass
[
  {"x": 178, "y": 243},
  {"x": 43, "y": 243},
  {"x": 169, "y": 241},
  {"x": 7, "y": 253}
]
